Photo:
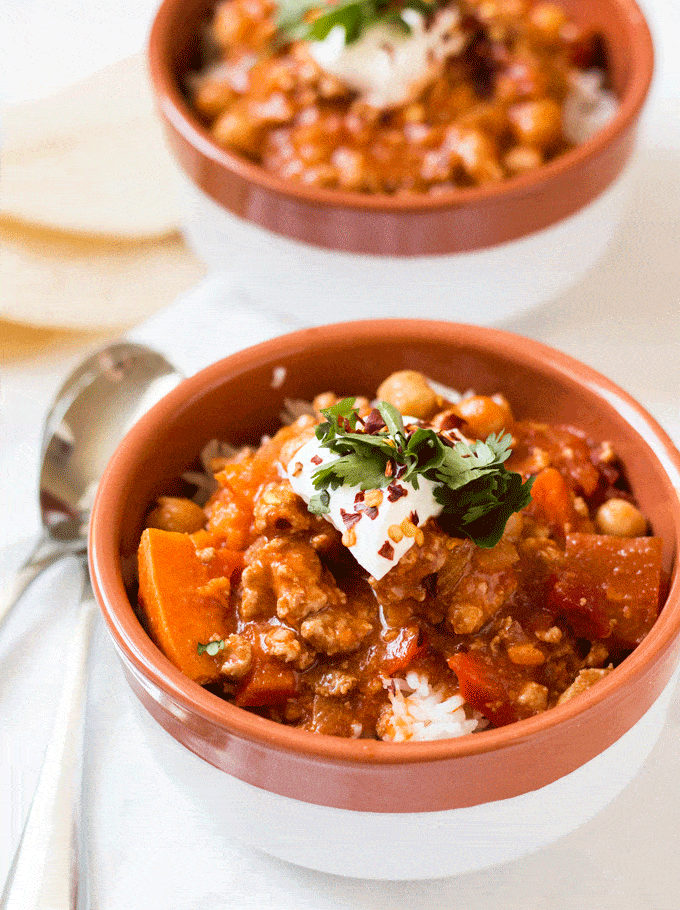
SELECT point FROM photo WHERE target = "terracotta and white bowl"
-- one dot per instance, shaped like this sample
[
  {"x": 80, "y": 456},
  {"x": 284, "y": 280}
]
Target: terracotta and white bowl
[
  {"x": 478, "y": 255},
  {"x": 362, "y": 807}
]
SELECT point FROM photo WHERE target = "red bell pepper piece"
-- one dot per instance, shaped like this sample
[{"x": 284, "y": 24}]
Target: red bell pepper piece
[
  {"x": 269, "y": 682},
  {"x": 402, "y": 650}
]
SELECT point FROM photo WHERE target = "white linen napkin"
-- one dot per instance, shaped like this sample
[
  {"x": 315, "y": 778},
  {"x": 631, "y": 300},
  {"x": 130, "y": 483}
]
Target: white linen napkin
[{"x": 91, "y": 159}]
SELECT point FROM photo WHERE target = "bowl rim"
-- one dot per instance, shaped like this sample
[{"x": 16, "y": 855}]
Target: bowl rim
[
  {"x": 175, "y": 108},
  {"x": 148, "y": 663}
]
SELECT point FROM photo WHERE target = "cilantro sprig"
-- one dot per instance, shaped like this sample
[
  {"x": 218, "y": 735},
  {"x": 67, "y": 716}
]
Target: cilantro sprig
[
  {"x": 212, "y": 647},
  {"x": 477, "y": 492},
  {"x": 295, "y": 22}
]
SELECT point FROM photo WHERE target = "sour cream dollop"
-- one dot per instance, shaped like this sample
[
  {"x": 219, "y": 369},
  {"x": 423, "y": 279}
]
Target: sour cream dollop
[
  {"x": 387, "y": 67},
  {"x": 374, "y": 548}
]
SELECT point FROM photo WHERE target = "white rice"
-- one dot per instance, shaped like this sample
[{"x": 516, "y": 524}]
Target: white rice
[
  {"x": 204, "y": 480},
  {"x": 588, "y": 107},
  {"x": 295, "y": 408},
  {"x": 422, "y": 712},
  {"x": 446, "y": 392}
]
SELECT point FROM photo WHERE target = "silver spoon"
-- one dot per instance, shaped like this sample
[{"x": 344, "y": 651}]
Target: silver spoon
[
  {"x": 93, "y": 410},
  {"x": 98, "y": 402}
]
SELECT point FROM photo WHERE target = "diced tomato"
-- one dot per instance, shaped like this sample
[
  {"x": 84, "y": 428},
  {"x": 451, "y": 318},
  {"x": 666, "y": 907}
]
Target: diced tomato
[
  {"x": 627, "y": 572},
  {"x": 580, "y": 601},
  {"x": 401, "y": 651},
  {"x": 491, "y": 685},
  {"x": 269, "y": 682}
]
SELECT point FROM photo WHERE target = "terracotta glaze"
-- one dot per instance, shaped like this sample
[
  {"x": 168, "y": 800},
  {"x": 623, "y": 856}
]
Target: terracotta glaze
[
  {"x": 451, "y": 222},
  {"x": 235, "y": 400}
]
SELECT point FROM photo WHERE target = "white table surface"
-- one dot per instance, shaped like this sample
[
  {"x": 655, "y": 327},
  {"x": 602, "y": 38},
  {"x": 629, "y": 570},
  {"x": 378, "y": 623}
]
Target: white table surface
[{"x": 146, "y": 847}]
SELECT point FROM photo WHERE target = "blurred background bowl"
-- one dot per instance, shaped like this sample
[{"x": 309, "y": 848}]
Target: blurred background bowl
[
  {"x": 480, "y": 254},
  {"x": 362, "y": 807}
]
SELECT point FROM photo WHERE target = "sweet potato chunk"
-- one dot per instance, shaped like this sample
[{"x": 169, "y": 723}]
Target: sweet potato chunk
[
  {"x": 626, "y": 573},
  {"x": 230, "y": 510},
  {"x": 183, "y": 598},
  {"x": 552, "y": 502}
]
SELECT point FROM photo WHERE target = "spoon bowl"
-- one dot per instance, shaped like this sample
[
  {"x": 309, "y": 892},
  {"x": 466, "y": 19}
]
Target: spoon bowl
[{"x": 91, "y": 413}]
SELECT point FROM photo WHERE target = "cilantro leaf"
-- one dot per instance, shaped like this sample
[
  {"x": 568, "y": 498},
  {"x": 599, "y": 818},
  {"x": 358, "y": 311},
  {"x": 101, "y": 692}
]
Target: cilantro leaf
[
  {"x": 481, "y": 509},
  {"x": 352, "y": 470},
  {"x": 349, "y": 16},
  {"x": 212, "y": 647},
  {"x": 319, "y": 504},
  {"x": 353, "y": 16},
  {"x": 393, "y": 421},
  {"x": 335, "y": 417},
  {"x": 477, "y": 492}
]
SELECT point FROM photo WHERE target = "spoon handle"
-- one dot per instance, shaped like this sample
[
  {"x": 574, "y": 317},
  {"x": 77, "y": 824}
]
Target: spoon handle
[
  {"x": 40, "y": 558},
  {"x": 12, "y": 593},
  {"x": 44, "y": 872}
]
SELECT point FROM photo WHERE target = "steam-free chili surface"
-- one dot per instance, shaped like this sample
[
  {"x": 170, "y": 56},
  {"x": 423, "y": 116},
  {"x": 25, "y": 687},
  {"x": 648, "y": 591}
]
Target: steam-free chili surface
[
  {"x": 289, "y": 625},
  {"x": 496, "y": 109}
]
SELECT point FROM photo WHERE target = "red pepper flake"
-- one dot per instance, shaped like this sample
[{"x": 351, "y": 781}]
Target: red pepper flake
[
  {"x": 389, "y": 469},
  {"x": 371, "y": 511},
  {"x": 395, "y": 491},
  {"x": 359, "y": 497},
  {"x": 387, "y": 550},
  {"x": 414, "y": 518},
  {"x": 350, "y": 518},
  {"x": 430, "y": 584},
  {"x": 316, "y": 459},
  {"x": 451, "y": 422},
  {"x": 374, "y": 422}
]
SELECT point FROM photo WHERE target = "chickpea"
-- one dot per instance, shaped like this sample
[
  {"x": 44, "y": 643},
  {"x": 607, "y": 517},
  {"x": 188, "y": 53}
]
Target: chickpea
[
  {"x": 476, "y": 153},
  {"x": 175, "y": 513},
  {"x": 485, "y": 415},
  {"x": 537, "y": 123},
  {"x": 212, "y": 96},
  {"x": 230, "y": 26},
  {"x": 325, "y": 400},
  {"x": 548, "y": 19},
  {"x": 522, "y": 158},
  {"x": 237, "y": 129},
  {"x": 409, "y": 392},
  {"x": 320, "y": 175},
  {"x": 620, "y": 518}
]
